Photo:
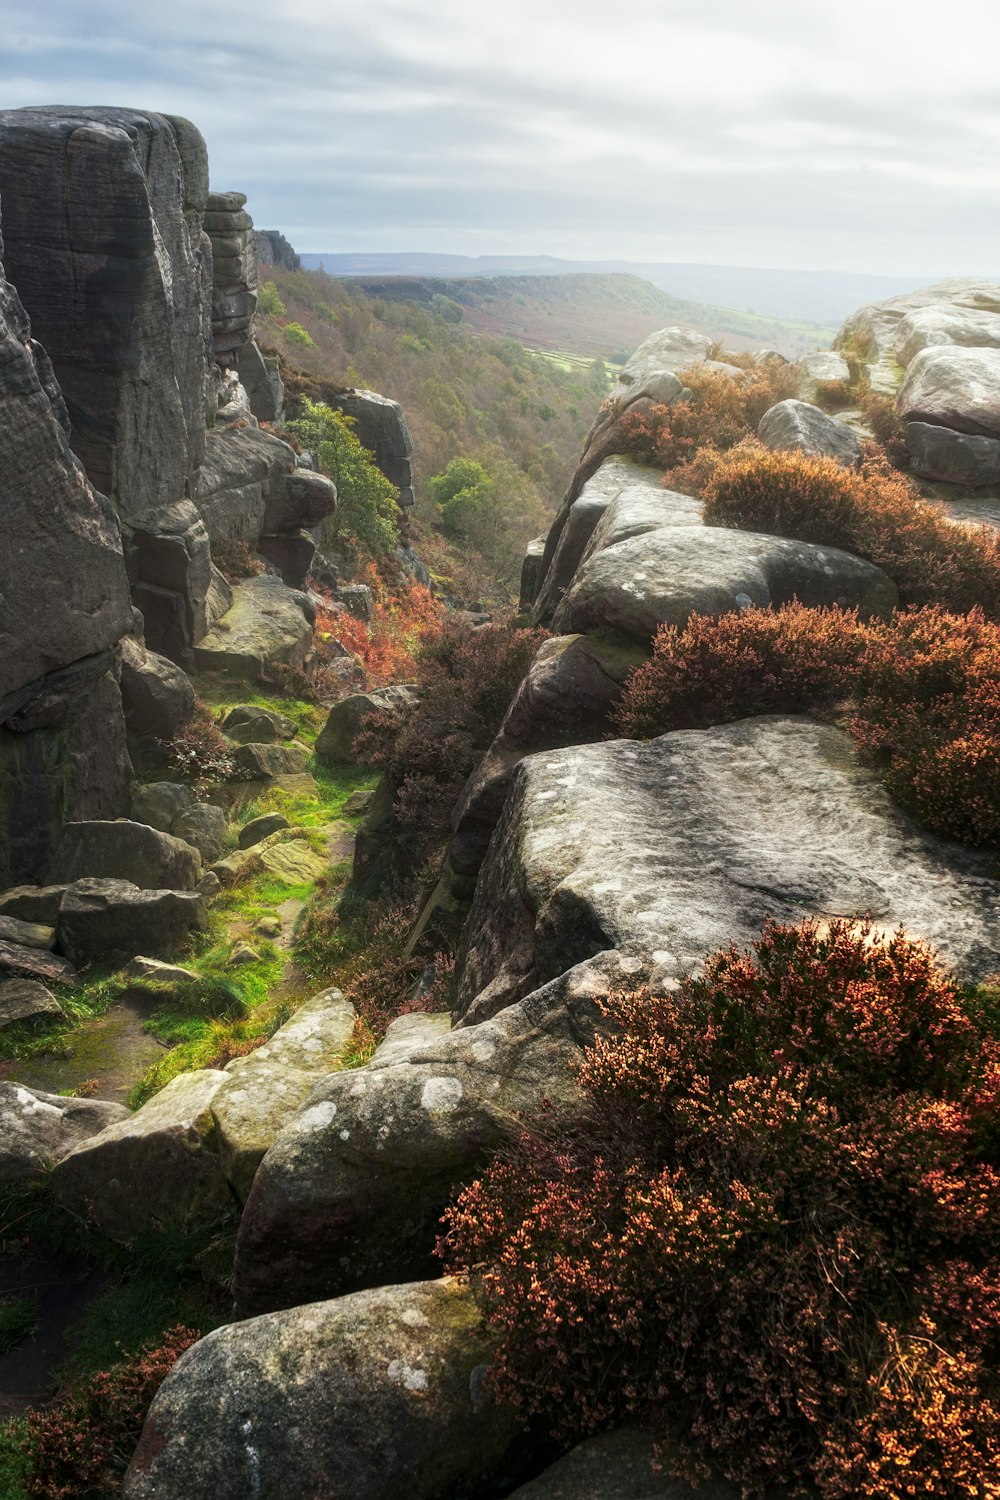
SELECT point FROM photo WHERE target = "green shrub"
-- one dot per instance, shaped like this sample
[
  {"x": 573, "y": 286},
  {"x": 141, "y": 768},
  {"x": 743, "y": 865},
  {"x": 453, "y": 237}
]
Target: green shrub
[
  {"x": 269, "y": 301},
  {"x": 366, "y": 522},
  {"x": 299, "y": 335},
  {"x": 773, "y": 1235}
]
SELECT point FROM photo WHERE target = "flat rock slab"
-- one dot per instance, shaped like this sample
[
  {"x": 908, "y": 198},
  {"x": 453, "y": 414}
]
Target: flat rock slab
[
  {"x": 37, "y": 1128},
  {"x": 666, "y": 576},
  {"x": 369, "y": 1396},
  {"x": 26, "y": 1000},
  {"x": 670, "y": 850},
  {"x": 945, "y": 323},
  {"x": 295, "y": 861},
  {"x": 27, "y": 934},
  {"x": 267, "y": 623},
  {"x": 34, "y": 963},
  {"x": 953, "y": 387}
]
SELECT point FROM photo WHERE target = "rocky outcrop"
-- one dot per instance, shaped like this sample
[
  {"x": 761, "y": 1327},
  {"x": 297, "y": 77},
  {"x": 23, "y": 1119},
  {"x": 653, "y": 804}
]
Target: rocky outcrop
[
  {"x": 805, "y": 429},
  {"x": 174, "y": 582},
  {"x": 267, "y": 623},
  {"x": 347, "y": 718},
  {"x": 373, "y": 1395},
  {"x": 381, "y": 426},
  {"x": 880, "y": 333},
  {"x": 234, "y": 272},
  {"x": 953, "y": 387},
  {"x": 274, "y": 250},
  {"x": 39, "y": 1129}
]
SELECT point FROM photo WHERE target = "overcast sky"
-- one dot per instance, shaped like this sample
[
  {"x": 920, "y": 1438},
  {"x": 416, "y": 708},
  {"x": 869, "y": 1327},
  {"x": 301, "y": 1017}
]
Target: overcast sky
[{"x": 846, "y": 134}]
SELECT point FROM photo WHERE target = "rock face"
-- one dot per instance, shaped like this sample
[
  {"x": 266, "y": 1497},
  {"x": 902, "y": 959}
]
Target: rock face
[
  {"x": 274, "y": 250},
  {"x": 806, "y": 429},
  {"x": 102, "y": 217},
  {"x": 38, "y": 1129},
  {"x": 101, "y": 919},
  {"x": 769, "y": 817},
  {"x": 381, "y": 426},
  {"x": 953, "y": 387},
  {"x": 234, "y": 272},
  {"x": 876, "y": 332},
  {"x": 123, "y": 850},
  {"x": 244, "y": 472},
  {"x": 347, "y": 717},
  {"x": 373, "y": 1395},
  {"x": 267, "y": 623}
]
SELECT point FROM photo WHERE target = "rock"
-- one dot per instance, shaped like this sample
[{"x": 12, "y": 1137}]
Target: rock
[
  {"x": 156, "y": 1169},
  {"x": 357, "y": 803},
  {"x": 664, "y": 577},
  {"x": 713, "y": 832},
  {"x": 373, "y": 1395},
  {"x": 953, "y": 457},
  {"x": 102, "y": 225},
  {"x": 269, "y": 927},
  {"x": 158, "y": 803},
  {"x": 240, "y": 862},
  {"x": 346, "y": 720},
  {"x": 209, "y": 885},
  {"x": 155, "y": 969},
  {"x": 261, "y": 762},
  {"x": 242, "y": 473},
  {"x": 261, "y": 379},
  {"x": 249, "y": 725},
  {"x": 295, "y": 861},
  {"x": 28, "y": 934},
  {"x": 261, "y": 828},
  {"x": 34, "y": 963},
  {"x": 945, "y": 323},
  {"x": 267, "y": 624},
  {"x": 127, "y": 851},
  {"x": 805, "y": 429},
  {"x": 103, "y": 919},
  {"x": 953, "y": 387},
  {"x": 670, "y": 349},
  {"x": 291, "y": 553},
  {"x": 352, "y": 1190},
  {"x": 619, "y": 1465},
  {"x": 204, "y": 827},
  {"x": 156, "y": 694},
  {"x": 174, "y": 580},
  {"x": 304, "y": 500},
  {"x": 381, "y": 427},
  {"x": 26, "y": 1000},
  {"x": 270, "y": 1084},
  {"x": 358, "y": 601},
  {"x": 234, "y": 272},
  {"x": 825, "y": 365},
  {"x": 37, "y": 1129},
  {"x": 274, "y": 250},
  {"x": 531, "y": 573},
  {"x": 872, "y": 330},
  {"x": 242, "y": 955},
  {"x": 33, "y": 903}
]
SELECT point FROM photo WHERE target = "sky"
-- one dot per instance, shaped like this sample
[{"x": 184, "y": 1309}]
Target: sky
[{"x": 852, "y": 135}]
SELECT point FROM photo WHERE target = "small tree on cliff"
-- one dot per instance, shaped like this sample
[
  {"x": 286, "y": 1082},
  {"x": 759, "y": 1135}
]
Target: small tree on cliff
[{"x": 367, "y": 518}]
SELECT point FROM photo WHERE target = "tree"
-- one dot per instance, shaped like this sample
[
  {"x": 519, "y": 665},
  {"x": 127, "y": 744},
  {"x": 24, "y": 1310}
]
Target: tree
[
  {"x": 493, "y": 510},
  {"x": 366, "y": 522}
]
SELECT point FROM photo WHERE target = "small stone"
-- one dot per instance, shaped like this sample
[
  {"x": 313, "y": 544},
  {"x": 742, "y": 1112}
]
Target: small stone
[
  {"x": 261, "y": 828},
  {"x": 243, "y": 954},
  {"x": 209, "y": 885},
  {"x": 269, "y": 927},
  {"x": 358, "y": 803},
  {"x": 24, "y": 1000},
  {"x": 249, "y": 725},
  {"x": 154, "y": 968},
  {"x": 28, "y": 934}
]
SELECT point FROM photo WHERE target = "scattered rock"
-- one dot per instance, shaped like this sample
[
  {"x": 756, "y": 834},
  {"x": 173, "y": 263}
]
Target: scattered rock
[
  {"x": 27, "y": 934},
  {"x": 33, "y": 903},
  {"x": 127, "y": 851},
  {"x": 358, "y": 803},
  {"x": 372, "y": 1395},
  {"x": 261, "y": 828},
  {"x": 204, "y": 827},
  {"x": 37, "y": 1129},
  {"x": 242, "y": 955},
  {"x": 157, "y": 1168},
  {"x": 34, "y": 963},
  {"x": 155, "y": 968},
  {"x": 158, "y": 803},
  {"x": 104, "y": 919},
  {"x": 954, "y": 387},
  {"x": 346, "y": 719},
  {"x": 249, "y": 725},
  {"x": 262, "y": 762},
  {"x": 797, "y": 425},
  {"x": 269, "y": 927},
  {"x": 26, "y": 1000},
  {"x": 294, "y": 860}
]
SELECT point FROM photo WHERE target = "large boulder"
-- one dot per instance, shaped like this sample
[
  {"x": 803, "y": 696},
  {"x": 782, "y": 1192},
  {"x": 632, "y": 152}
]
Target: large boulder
[
  {"x": 620, "y": 1465},
  {"x": 373, "y": 1395},
  {"x": 156, "y": 694},
  {"x": 158, "y": 803},
  {"x": 244, "y": 472},
  {"x": 123, "y": 850},
  {"x": 668, "y": 350},
  {"x": 264, "y": 762},
  {"x": 38, "y": 1129},
  {"x": 871, "y": 332},
  {"x": 102, "y": 214},
  {"x": 155, "y": 1169},
  {"x": 304, "y": 500},
  {"x": 953, "y": 457},
  {"x": 204, "y": 827},
  {"x": 669, "y": 850},
  {"x": 347, "y": 717},
  {"x": 269, "y": 1085},
  {"x": 665, "y": 576},
  {"x": 805, "y": 429},
  {"x": 103, "y": 919},
  {"x": 268, "y": 624},
  {"x": 954, "y": 387},
  {"x": 249, "y": 725},
  {"x": 380, "y": 425},
  {"x": 945, "y": 323},
  {"x": 175, "y": 585}
]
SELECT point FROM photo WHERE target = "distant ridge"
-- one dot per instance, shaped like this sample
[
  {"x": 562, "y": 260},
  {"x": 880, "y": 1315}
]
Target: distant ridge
[{"x": 819, "y": 296}]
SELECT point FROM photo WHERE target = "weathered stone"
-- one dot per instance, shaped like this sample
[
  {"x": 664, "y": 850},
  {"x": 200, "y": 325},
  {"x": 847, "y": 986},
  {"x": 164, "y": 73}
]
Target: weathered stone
[
  {"x": 243, "y": 473},
  {"x": 249, "y": 725},
  {"x": 620, "y": 1465},
  {"x": 261, "y": 828},
  {"x": 291, "y": 553},
  {"x": 531, "y": 573},
  {"x": 953, "y": 387},
  {"x": 953, "y": 457},
  {"x": 381, "y": 426},
  {"x": 102, "y": 227},
  {"x": 209, "y": 885},
  {"x": 176, "y": 587},
  {"x": 204, "y": 827},
  {"x": 33, "y": 903},
  {"x": 664, "y": 577},
  {"x": 945, "y": 323},
  {"x": 26, "y": 1000},
  {"x": 358, "y": 600},
  {"x": 805, "y": 429},
  {"x": 304, "y": 500},
  {"x": 825, "y": 365},
  {"x": 374, "y": 1395},
  {"x": 274, "y": 250},
  {"x": 34, "y": 963},
  {"x": 158, "y": 1168},
  {"x": 872, "y": 330},
  {"x": 261, "y": 379},
  {"x": 28, "y": 934},
  {"x": 271, "y": 1083},
  {"x": 158, "y": 803},
  {"x": 156, "y": 694},
  {"x": 295, "y": 861},
  {"x": 713, "y": 832},
  {"x": 102, "y": 919},
  {"x": 357, "y": 803},
  {"x": 230, "y": 870},
  {"x": 267, "y": 624},
  {"x": 347, "y": 717},
  {"x": 123, "y": 850},
  {"x": 351, "y": 1192},
  {"x": 261, "y": 762},
  {"x": 670, "y": 350},
  {"x": 155, "y": 968},
  {"x": 37, "y": 1129}
]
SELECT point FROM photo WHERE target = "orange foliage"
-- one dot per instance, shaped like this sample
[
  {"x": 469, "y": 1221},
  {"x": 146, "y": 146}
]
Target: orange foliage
[
  {"x": 387, "y": 647},
  {"x": 720, "y": 412}
]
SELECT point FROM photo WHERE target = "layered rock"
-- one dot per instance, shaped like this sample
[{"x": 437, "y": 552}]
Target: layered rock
[
  {"x": 803, "y": 428},
  {"x": 274, "y": 250},
  {"x": 234, "y": 272}
]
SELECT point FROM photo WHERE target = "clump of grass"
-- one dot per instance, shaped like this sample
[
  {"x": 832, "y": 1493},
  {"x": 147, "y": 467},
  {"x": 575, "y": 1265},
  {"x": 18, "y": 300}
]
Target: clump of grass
[{"x": 18, "y": 1320}]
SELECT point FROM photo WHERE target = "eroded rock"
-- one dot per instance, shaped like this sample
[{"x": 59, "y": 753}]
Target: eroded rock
[{"x": 37, "y": 1129}]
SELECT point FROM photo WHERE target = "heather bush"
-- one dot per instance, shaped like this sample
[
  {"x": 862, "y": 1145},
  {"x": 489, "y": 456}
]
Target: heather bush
[
  {"x": 235, "y": 560},
  {"x": 833, "y": 395},
  {"x": 721, "y": 411},
  {"x": 873, "y": 512},
  {"x": 773, "y": 1232},
  {"x": 200, "y": 752}
]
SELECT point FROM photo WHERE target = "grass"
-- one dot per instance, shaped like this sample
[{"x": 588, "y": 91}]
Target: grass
[
  {"x": 15, "y": 1466},
  {"x": 18, "y": 1320}
]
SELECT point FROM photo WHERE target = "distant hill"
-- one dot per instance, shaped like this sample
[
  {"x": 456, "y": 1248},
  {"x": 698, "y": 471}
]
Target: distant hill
[
  {"x": 588, "y": 314},
  {"x": 822, "y": 297}
]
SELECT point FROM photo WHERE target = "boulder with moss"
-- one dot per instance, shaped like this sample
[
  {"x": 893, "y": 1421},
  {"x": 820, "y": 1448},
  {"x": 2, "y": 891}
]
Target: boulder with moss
[{"x": 38, "y": 1129}]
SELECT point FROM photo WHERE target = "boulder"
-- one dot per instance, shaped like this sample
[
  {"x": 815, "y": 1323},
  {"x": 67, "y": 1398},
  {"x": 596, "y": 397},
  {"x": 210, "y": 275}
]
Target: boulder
[
  {"x": 373, "y": 1395},
  {"x": 261, "y": 379},
  {"x": 127, "y": 851},
  {"x": 954, "y": 387},
  {"x": 825, "y": 365},
  {"x": 175, "y": 585},
  {"x": 33, "y": 903},
  {"x": 249, "y": 725},
  {"x": 805, "y": 429},
  {"x": 295, "y": 860},
  {"x": 103, "y": 919},
  {"x": 619, "y": 1465},
  {"x": 670, "y": 349},
  {"x": 155, "y": 1169},
  {"x": 952, "y": 457},
  {"x": 158, "y": 803},
  {"x": 261, "y": 828},
  {"x": 531, "y": 573},
  {"x": 34, "y": 963},
  {"x": 156, "y": 694},
  {"x": 381, "y": 426},
  {"x": 204, "y": 827},
  {"x": 262, "y": 762},
  {"x": 945, "y": 323},
  {"x": 26, "y": 1000},
  {"x": 38, "y": 1129},
  {"x": 28, "y": 934},
  {"x": 155, "y": 969},
  {"x": 872, "y": 330},
  {"x": 267, "y": 624},
  {"x": 291, "y": 553},
  {"x": 713, "y": 832},
  {"x": 303, "y": 501},
  {"x": 244, "y": 472},
  {"x": 664, "y": 577},
  {"x": 346, "y": 720},
  {"x": 269, "y": 1085}
]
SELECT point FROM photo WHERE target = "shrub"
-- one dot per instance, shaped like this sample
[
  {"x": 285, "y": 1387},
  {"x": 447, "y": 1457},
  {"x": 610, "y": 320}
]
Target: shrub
[
  {"x": 873, "y": 512},
  {"x": 366, "y": 522},
  {"x": 387, "y": 647},
  {"x": 200, "y": 752},
  {"x": 773, "y": 1234},
  {"x": 888, "y": 427},
  {"x": 235, "y": 560},
  {"x": 83, "y": 1445},
  {"x": 834, "y": 395},
  {"x": 269, "y": 301},
  {"x": 721, "y": 412},
  {"x": 299, "y": 335}
]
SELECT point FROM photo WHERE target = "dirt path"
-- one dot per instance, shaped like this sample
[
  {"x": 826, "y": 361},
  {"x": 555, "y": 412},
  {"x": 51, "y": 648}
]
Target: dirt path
[{"x": 111, "y": 1052}]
